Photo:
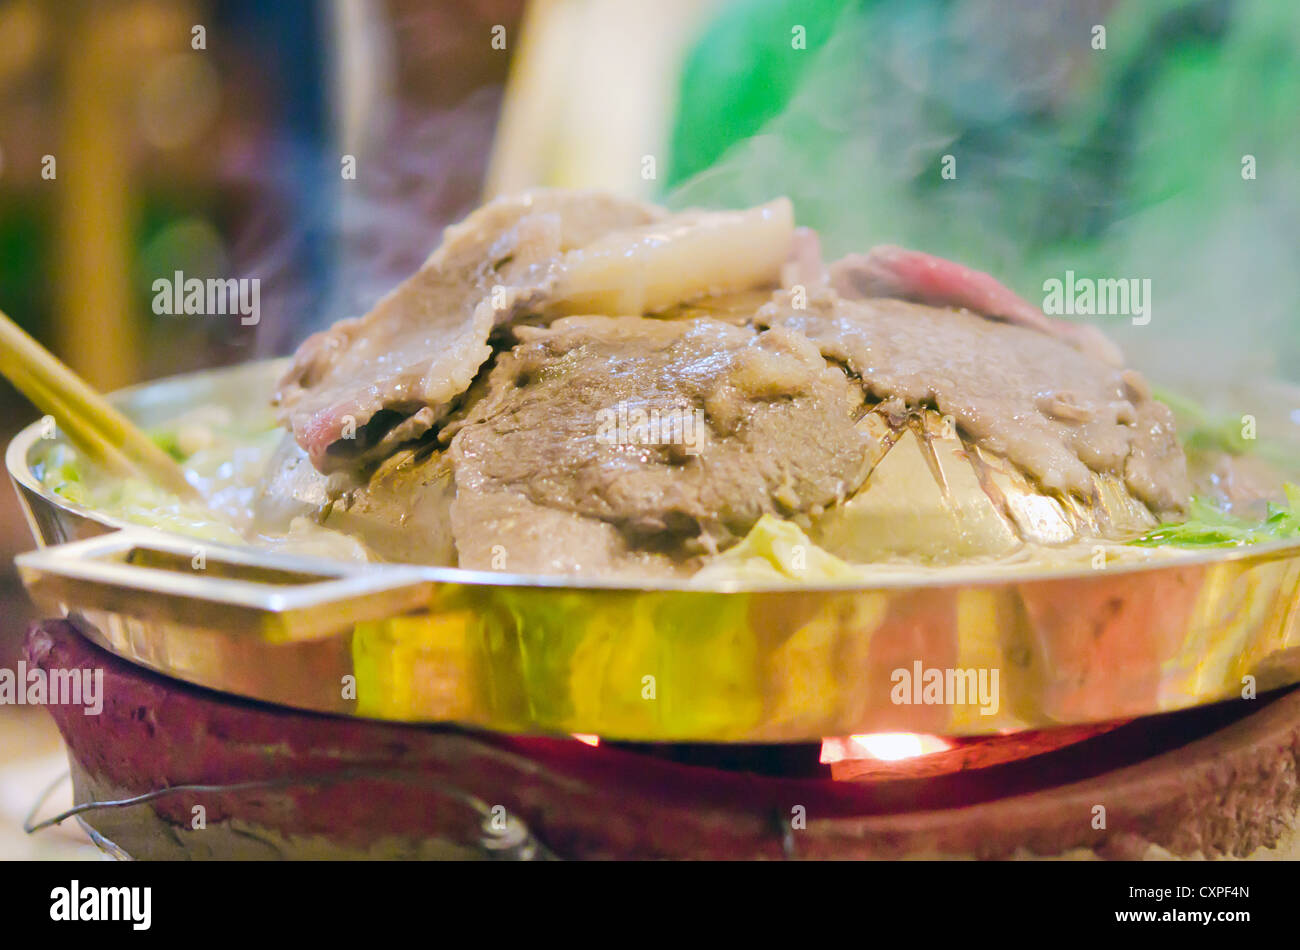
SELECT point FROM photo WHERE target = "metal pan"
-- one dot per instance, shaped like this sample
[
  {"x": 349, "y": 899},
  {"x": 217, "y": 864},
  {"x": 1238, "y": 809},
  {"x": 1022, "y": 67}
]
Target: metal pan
[{"x": 664, "y": 662}]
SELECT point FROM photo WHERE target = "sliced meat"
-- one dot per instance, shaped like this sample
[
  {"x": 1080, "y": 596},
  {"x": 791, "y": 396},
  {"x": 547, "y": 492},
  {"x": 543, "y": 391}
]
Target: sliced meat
[
  {"x": 1054, "y": 411},
  {"x": 889, "y": 271},
  {"x": 420, "y": 347},
  {"x": 366, "y": 386},
  {"x": 679, "y": 258},
  {"x": 677, "y": 434}
]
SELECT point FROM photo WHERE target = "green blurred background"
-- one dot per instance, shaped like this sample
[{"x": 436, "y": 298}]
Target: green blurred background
[{"x": 1122, "y": 161}]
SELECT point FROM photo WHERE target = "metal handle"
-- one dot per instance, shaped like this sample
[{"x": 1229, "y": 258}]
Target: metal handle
[{"x": 150, "y": 575}]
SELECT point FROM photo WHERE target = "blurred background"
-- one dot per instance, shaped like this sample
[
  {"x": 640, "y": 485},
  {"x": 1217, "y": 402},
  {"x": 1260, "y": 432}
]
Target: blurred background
[{"x": 321, "y": 147}]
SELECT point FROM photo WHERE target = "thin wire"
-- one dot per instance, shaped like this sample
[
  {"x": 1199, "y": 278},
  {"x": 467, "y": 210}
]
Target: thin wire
[
  {"x": 42, "y": 798},
  {"x": 450, "y": 791}
]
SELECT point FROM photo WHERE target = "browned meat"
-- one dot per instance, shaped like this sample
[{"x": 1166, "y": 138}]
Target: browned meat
[
  {"x": 366, "y": 385},
  {"x": 888, "y": 271},
  {"x": 1054, "y": 411},
  {"x": 622, "y": 444},
  {"x": 552, "y": 469}
]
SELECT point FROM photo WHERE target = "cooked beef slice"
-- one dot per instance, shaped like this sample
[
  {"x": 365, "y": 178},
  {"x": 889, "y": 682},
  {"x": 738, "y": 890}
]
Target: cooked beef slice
[
  {"x": 367, "y": 386},
  {"x": 1053, "y": 410},
  {"x": 888, "y": 271},
  {"x": 420, "y": 347},
  {"x": 554, "y": 428}
]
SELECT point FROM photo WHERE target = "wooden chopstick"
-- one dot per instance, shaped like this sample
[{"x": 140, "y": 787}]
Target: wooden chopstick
[{"x": 98, "y": 429}]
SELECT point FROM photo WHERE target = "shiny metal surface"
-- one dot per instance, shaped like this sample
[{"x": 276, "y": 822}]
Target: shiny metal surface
[{"x": 664, "y": 662}]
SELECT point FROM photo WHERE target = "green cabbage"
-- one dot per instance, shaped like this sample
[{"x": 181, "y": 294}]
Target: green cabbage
[{"x": 1208, "y": 526}]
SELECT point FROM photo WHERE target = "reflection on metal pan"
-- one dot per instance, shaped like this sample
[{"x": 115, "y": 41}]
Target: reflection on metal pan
[{"x": 971, "y": 651}]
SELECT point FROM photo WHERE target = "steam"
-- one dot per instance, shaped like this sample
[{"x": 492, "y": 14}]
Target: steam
[
  {"x": 418, "y": 172},
  {"x": 1152, "y": 189}
]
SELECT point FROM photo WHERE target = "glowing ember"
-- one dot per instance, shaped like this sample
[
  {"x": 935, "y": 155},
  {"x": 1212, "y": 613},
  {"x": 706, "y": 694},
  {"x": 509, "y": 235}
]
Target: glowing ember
[
  {"x": 592, "y": 741},
  {"x": 884, "y": 746}
]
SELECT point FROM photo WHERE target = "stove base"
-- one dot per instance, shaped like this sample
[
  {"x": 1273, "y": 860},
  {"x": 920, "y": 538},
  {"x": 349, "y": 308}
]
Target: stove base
[{"x": 275, "y": 783}]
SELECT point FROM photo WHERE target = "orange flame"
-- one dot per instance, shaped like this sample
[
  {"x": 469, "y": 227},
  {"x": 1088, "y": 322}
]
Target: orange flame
[{"x": 884, "y": 746}]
